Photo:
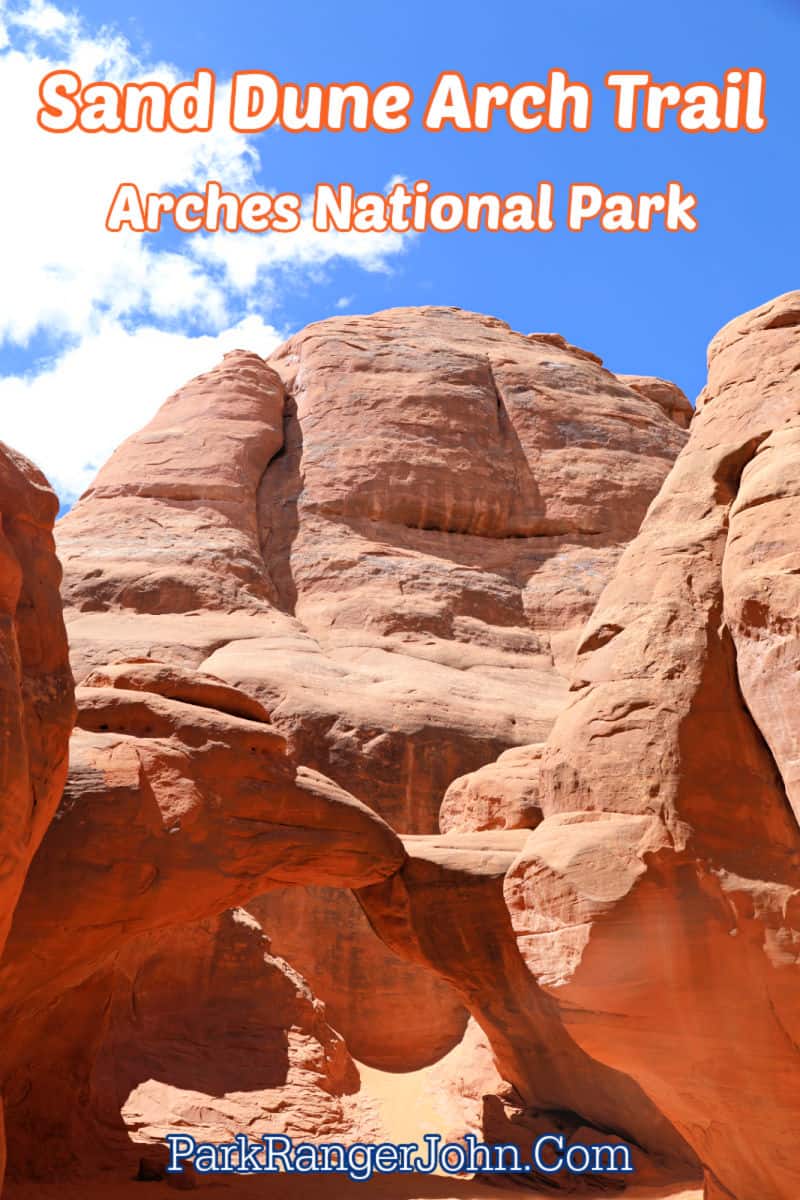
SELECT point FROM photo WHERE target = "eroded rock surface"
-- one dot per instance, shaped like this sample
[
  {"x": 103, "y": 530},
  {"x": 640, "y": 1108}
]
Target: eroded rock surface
[
  {"x": 36, "y": 688},
  {"x": 389, "y": 536},
  {"x": 173, "y": 811},
  {"x": 502, "y": 795},
  {"x": 446, "y": 908},
  {"x": 437, "y": 502},
  {"x": 196, "y": 1028},
  {"x": 664, "y": 393},
  {"x": 658, "y": 902},
  {"x": 362, "y": 570},
  {"x": 378, "y": 998}
]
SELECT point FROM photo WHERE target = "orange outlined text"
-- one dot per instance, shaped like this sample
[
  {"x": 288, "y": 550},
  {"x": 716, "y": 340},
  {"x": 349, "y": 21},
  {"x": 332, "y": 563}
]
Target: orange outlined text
[
  {"x": 258, "y": 100},
  {"x": 405, "y": 208}
]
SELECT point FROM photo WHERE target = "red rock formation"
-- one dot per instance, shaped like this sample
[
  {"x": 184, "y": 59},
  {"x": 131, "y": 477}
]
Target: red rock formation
[
  {"x": 502, "y": 795},
  {"x": 395, "y": 560},
  {"x": 169, "y": 524},
  {"x": 465, "y": 538},
  {"x": 196, "y": 1028},
  {"x": 390, "y": 539},
  {"x": 658, "y": 903},
  {"x": 36, "y": 689},
  {"x": 666, "y": 394},
  {"x": 172, "y": 812},
  {"x": 370, "y": 993},
  {"x": 445, "y": 908},
  {"x": 209, "y": 1008}
]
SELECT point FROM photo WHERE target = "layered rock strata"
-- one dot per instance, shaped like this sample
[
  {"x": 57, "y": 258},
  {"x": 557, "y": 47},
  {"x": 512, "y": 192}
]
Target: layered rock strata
[
  {"x": 658, "y": 902},
  {"x": 390, "y": 535}
]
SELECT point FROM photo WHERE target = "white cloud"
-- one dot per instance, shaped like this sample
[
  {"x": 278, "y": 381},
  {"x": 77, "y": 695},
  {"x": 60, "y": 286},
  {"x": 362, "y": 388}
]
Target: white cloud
[
  {"x": 244, "y": 258},
  {"x": 71, "y": 415},
  {"x": 127, "y": 319},
  {"x": 67, "y": 270},
  {"x": 344, "y": 302}
]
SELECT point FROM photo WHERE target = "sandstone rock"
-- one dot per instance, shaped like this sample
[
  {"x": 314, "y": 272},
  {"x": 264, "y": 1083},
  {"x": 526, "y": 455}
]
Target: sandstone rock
[
  {"x": 390, "y": 592},
  {"x": 502, "y": 795},
  {"x": 168, "y": 525},
  {"x": 192, "y": 1029},
  {"x": 36, "y": 687},
  {"x": 224, "y": 1025},
  {"x": 446, "y": 908},
  {"x": 462, "y": 1081},
  {"x": 376, "y": 997},
  {"x": 174, "y": 812},
  {"x": 664, "y": 393},
  {"x": 658, "y": 903},
  {"x": 192, "y": 687},
  {"x": 36, "y": 692},
  {"x": 389, "y": 536}
]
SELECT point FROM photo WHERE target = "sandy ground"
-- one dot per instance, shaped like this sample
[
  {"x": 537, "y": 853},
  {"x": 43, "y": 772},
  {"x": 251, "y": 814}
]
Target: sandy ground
[{"x": 404, "y": 1105}]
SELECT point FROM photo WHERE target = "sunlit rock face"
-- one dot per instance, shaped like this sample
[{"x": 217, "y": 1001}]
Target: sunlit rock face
[
  {"x": 323, "y": 615},
  {"x": 658, "y": 901},
  {"x": 36, "y": 690},
  {"x": 390, "y": 534}
]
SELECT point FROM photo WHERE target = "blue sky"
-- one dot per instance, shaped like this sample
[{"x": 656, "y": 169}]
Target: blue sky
[{"x": 647, "y": 303}]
